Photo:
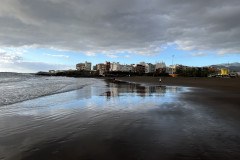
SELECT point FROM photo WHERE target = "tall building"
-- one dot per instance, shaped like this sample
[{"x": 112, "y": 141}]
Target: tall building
[
  {"x": 84, "y": 66},
  {"x": 88, "y": 66},
  {"x": 149, "y": 67},
  {"x": 101, "y": 68},
  {"x": 140, "y": 68},
  {"x": 95, "y": 67},
  {"x": 115, "y": 66},
  {"x": 108, "y": 66}
]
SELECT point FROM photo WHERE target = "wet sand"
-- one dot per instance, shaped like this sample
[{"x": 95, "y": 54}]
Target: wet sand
[
  {"x": 223, "y": 84},
  {"x": 124, "y": 121}
]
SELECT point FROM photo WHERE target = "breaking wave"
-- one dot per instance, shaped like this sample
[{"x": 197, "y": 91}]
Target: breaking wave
[{"x": 16, "y": 87}]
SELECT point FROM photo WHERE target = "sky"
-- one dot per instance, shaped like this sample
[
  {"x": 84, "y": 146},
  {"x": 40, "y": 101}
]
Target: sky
[{"x": 39, "y": 35}]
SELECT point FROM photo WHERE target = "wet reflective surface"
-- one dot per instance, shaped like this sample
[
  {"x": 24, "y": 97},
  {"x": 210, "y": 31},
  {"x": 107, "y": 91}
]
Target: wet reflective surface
[{"x": 118, "y": 121}]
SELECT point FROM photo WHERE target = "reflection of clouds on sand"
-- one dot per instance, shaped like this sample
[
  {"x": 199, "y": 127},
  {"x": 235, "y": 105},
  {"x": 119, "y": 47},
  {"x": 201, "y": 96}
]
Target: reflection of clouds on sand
[
  {"x": 91, "y": 105},
  {"x": 117, "y": 96},
  {"x": 135, "y": 90},
  {"x": 172, "y": 89},
  {"x": 130, "y": 96}
]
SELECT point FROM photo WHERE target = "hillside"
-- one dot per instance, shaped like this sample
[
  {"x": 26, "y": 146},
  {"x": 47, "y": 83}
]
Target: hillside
[{"x": 232, "y": 66}]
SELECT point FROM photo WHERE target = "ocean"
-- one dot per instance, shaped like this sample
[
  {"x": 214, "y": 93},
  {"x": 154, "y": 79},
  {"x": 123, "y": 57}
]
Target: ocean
[
  {"x": 15, "y": 87},
  {"x": 87, "y": 118}
]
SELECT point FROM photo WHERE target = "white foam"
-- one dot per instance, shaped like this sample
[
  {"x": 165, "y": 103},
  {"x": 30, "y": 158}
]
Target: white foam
[{"x": 20, "y": 88}]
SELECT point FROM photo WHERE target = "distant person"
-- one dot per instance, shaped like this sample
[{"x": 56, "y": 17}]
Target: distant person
[
  {"x": 113, "y": 80},
  {"x": 160, "y": 80}
]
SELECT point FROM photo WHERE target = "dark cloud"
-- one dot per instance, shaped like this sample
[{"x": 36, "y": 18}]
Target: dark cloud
[{"x": 110, "y": 26}]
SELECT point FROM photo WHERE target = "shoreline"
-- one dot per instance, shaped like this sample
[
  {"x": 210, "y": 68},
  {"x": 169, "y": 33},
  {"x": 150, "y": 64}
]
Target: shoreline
[
  {"x": 215, "y": 83},
  {"x": 220, "y": 84}
]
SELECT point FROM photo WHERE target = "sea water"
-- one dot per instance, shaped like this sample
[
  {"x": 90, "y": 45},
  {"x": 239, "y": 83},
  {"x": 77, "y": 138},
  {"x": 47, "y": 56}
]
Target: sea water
[{"x": 15, "y": 87}]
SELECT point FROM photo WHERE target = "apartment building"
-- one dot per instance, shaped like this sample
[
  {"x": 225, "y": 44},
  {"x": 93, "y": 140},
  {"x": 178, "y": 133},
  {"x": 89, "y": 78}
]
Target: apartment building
[
  {"x": 115, "y": 66},
  {"x": 140, "y": 68},
  {"x": 160, "y": 67},
  {"x": 80, "y": 66},
  {"x": 101, "y": 67},
  {"x": 88, "y": 66},
  {"x": 125, "y": 68},
  {"x": 108, "y": 66},
  {"x": 84, "y": 66},
  {"x": 149, "y": 67}
]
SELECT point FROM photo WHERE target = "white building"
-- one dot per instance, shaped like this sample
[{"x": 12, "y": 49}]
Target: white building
[
  {"x": 172, "y": 69},
  {"x": 149, "y": 67},
  {"x": 161, "y": 65},
  {"x": 115, "y": 66}
]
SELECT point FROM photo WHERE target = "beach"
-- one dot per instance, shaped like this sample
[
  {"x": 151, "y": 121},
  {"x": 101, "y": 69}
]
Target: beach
[
  {"x": 222, "y": 84},
  {"x": 113, "y": 121}
]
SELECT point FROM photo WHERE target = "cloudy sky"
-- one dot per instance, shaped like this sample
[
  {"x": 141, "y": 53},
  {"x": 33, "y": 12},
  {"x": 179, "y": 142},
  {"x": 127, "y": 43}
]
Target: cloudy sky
[{"x": 56, "y": 34}]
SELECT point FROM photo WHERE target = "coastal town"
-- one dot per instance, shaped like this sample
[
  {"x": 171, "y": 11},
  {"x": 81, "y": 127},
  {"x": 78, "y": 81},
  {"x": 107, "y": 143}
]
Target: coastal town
[{"x": 111, "y": 69}]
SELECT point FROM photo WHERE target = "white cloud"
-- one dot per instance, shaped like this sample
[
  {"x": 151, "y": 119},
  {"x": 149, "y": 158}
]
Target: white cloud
[
  {"x": 112, "y": 56},
  {"x": 128, "y": 56},
  {"x": 7, "y": 57},
  {"x": 90, "y": 54},
  {"x": 199, "y": 54},
  {"x": 233, "y": 50},
  {"x": 61, "y": 56}
]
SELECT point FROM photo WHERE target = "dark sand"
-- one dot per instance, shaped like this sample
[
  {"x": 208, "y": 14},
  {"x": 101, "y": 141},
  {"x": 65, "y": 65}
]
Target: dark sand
[
  {"x": 220, "y": 93},
  {"x": 223, "y": 84}
]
